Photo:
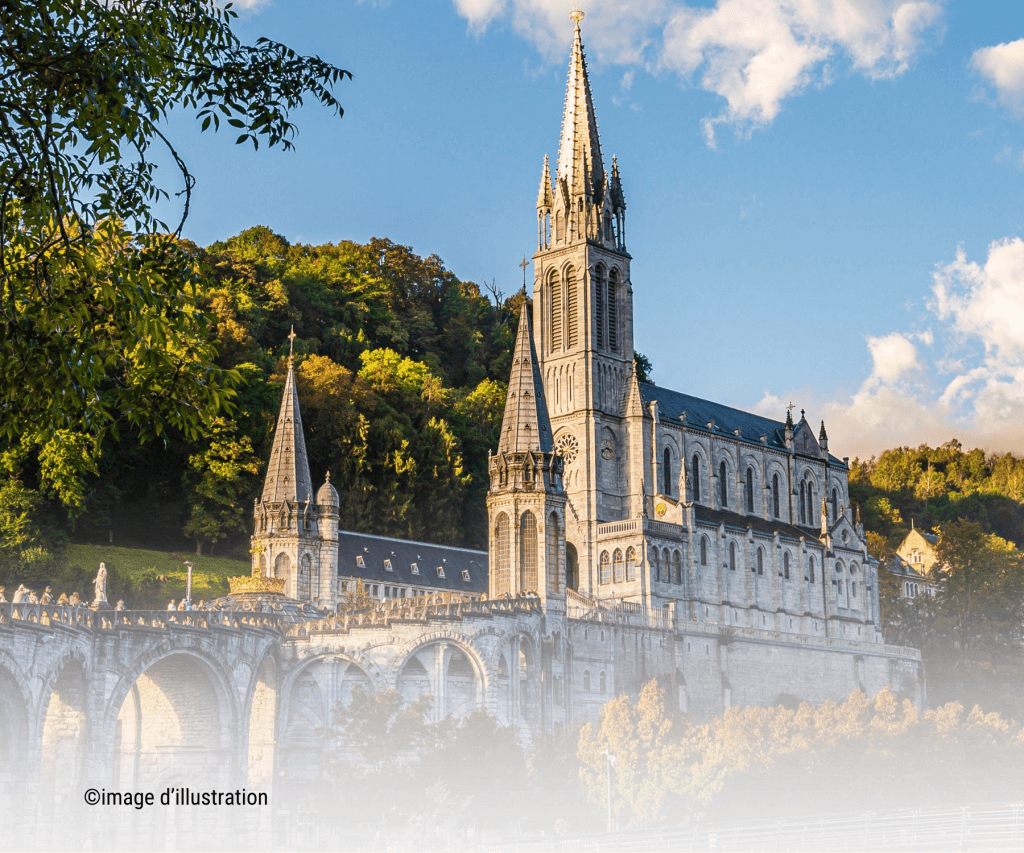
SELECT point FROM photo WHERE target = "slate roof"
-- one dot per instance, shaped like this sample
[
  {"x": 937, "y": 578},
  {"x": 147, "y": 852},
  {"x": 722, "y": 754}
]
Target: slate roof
[
  {"x": 736, "y": 521},
  {"x": 525, "y": 425},
  {"x": 403, "y": 553},
  {"x": 288, "y": 470},
  {"x": 699, "y": 413}
]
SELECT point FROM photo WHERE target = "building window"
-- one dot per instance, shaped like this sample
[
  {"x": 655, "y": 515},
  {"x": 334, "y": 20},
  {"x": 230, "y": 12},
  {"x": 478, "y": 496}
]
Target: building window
[
  {"x": 586, "y": 680},
  {"x": 750, "y": 489},
  {"x": 572, "y": 306},
  {"x": 360, "y": 562},
  {"x": 613, "y": 310},
  {"x": 732, "y": 556},
  {"x": 775, "y": 495},
  {"x": 760, "y": 561},
  {"x": 387, "y": 566},
  {"x": 677, "y": 567},
  {"x": 667, "y": 471},
  {"x": 305, "y": 574},
  {"x": 599, "y": 292},
  {"x": 654, "y": 565},
  {"x": 440, "y": 571},
  {"x": 415, "y": 568},
  {"x": 835, "y": 506},
  {"x": 606, "y": 568},
  {"x": 785, "y": 565},
  {"x": 528, "y": 552},
  {"x": 723, "y": 486},
  {"x": 703, "y": 550},
  {"x": 630, "y": 563},
  {"x": 620, "y": 566},
  {"x": 465, "y": 575},
  {"x": 803, "y": 505},
  {"x": 853, "y": 588},
  {"x": 811, "y": 566},
  {"x": 604, "y": 683},
  {"x": 696, "y": 479},
  {"x": 555, "y": 309},
  {"x": 503, "y": 571}
]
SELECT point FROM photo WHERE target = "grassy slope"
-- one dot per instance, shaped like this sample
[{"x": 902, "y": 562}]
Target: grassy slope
[{"x": 142, "y": 567}]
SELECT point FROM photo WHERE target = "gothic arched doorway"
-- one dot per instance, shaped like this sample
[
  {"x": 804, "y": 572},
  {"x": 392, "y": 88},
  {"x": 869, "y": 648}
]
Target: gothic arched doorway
[{"x": 572, "y": 568}]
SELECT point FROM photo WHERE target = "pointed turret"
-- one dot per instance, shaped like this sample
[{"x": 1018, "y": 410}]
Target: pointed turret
[
  {"x": 525, "y": 427},
  {"x": 823, "y": 437},
  {"x": 288, "y": 476},
  {"x": 618, "y": 199},
  {"x": 579, "y": 157},
  {"x": 545, "y": 198}
]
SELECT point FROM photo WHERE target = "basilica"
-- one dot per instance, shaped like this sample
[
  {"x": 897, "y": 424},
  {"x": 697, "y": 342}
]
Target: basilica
[{"x": 641, "y": 530}]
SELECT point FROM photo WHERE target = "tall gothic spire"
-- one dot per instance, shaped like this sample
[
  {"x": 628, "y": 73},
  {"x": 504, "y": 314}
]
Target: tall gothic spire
[
  {"x": 545, "y": 198},
  {"x": 526, "y": 426},
  {"x": 580, "y": 163},
  {"x": 288, "y": 476}
]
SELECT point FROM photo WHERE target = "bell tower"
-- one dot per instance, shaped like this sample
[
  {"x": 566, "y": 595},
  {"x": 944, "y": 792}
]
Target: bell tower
[{"x": 582, "y": 293}]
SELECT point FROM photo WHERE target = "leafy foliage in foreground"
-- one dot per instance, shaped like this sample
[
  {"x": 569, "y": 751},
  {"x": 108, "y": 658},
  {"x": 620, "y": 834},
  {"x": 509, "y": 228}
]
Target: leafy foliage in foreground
[{"x": 857, "y": 755}]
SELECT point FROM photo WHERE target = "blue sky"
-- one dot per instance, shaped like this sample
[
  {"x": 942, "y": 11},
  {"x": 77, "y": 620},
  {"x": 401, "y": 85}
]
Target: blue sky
[{"x": 824, "y": 196}]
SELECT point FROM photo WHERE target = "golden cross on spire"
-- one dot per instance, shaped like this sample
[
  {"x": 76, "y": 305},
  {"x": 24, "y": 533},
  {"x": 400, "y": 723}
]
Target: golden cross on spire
[
  {"x": 790, "y": 407},
  {"x": 577, "y": 14},
  {"x": 291, "y": 343}
]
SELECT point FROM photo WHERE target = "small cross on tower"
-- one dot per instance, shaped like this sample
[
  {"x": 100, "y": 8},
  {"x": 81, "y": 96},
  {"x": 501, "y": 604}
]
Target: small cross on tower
[
  {"x": 291, "y": 344},
  {"x": 523, "y": 267}
]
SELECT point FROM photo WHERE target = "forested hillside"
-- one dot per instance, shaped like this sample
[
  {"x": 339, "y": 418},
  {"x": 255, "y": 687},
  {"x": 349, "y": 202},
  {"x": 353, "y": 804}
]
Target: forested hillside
[{"x": 401, "y": 369}]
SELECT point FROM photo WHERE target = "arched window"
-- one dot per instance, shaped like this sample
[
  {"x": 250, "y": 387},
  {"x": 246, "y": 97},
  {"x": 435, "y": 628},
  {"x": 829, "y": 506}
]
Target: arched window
[
  {"x": 835, "y": 506},
  {"x": 600, "y": 284},
  {"x": 555, "y": 310},
  {"x": 667, "y": 471},
  {"x": 696, "y": 477},
  {"x": 553, "y": 568},
  {"x": 528, "y": 552},
  {"x": 760, "y": 561},
  {"x": 803, "y": 504},
  {"x": 305, "y": 575},
  {"x": 785, "y": 565},
  {"x": 604, "y": 683},
  {"x": 630, "y": 563},
  {"x": 811, "y": 566},
  {"x": 501, "y": 549},
  {"x": 677, "y": 567},
  {"x": 750, "y": 489},
  {"x": 282, "y": 565},
  {"x": 655, "y": 568},
  {"x": 775, "y": 495},
  {"x": 703, "y": 550},
  {"x": 723, "y": 485},
  {"x": 810, "y": 503},
  {"x": 613, "y": 310},
  {"x": 572, "y": 307},
  {"x": 732, "y": 556},
  {"x": 620, "y": 566},
  {"x": 586, "y": 680},
  {"x": 606, "y": 568}
]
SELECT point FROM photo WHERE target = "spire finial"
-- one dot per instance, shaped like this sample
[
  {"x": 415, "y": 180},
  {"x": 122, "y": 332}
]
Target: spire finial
[
  {"x": 291, "y": 344},
  {"x": 576, "y": 15},
  {"x": 523, "y": 265}
]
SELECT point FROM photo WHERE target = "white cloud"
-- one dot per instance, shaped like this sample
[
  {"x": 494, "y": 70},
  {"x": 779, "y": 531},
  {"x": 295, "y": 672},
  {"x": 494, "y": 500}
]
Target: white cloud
[
  {"x": 752, "y": 53},
  {"x": 247, "y": 5},
  {"x": 1003, "y": 67},
  {"x": 971, "y": 387}
]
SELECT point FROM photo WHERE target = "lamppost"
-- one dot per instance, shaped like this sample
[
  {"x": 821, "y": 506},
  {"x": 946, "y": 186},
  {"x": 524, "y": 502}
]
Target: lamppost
[
  {"x": 188, "y": 584},
  {"x": 610, "y": 765}
]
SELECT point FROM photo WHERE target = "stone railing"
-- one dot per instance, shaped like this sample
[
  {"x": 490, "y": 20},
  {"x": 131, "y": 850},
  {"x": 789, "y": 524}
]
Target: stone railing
[
  {"x": 616, "y": 527},
  {"x": 636, "y": 525},
  {"x": 616, "y": 612},
  {"x": 81, "y": 616},
  {"x": 448, "y": 606}
]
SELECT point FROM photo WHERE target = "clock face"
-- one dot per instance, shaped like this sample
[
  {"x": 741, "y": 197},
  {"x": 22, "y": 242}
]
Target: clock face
[
  {"x": 567, "y": 447},
  {"x": 660, "y": 509},
  {"x": 607, "y": 449}
]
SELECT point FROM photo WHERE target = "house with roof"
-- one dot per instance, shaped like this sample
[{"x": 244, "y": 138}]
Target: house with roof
[{"x": 914, "y": 562}]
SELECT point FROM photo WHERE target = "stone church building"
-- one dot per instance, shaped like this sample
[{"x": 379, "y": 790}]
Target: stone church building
[{"x": 640, "y": 531}]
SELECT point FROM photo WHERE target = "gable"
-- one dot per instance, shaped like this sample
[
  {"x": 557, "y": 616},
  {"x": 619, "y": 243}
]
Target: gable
[{"x": 804, "y": 440}]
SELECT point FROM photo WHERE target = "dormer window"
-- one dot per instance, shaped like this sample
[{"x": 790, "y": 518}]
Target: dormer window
[
  {"x": 415, "y": 568},
  {"x": 440, "y": 571},
  {"x": 465, "y": 575},
  {"x": 387, "y": 566},
  {"x": 360, "y": 562}
]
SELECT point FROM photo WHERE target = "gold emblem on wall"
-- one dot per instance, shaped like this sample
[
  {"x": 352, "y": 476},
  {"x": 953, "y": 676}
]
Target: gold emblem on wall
[{"x": 660, "y": 510}]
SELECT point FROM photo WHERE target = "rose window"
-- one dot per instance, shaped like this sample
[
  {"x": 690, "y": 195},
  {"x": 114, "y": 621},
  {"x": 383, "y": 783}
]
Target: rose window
[{"x": 567, "y": 447}]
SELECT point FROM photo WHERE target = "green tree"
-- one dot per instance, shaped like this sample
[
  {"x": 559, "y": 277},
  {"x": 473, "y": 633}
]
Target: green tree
[{"x": 99, "y": 322}]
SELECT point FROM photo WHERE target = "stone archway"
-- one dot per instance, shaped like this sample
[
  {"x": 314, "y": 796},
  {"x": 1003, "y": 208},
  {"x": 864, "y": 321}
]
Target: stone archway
[
  {"x": 262, "y": 716},
  {"x": 572, "y": 567},
  {"x": 62, "y": 753},
  {"x": 175, "y": 718},
  {"x": 314, "y": 695},
  {"x": 14, "y": 736},
  {"x": 448, "y": 672}
]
